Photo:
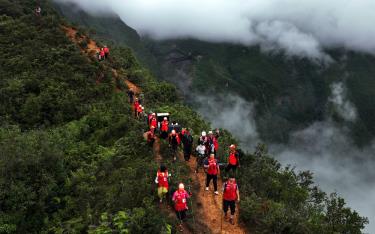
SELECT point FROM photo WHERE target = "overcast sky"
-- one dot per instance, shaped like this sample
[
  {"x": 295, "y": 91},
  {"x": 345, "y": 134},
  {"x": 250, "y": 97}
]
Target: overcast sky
[{"x": 302, "y": 28}]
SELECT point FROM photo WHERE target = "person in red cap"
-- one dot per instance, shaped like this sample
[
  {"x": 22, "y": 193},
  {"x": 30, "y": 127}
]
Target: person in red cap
[
  {"x": 106, "y": 52},
  {"x": 233, "y": 159},
  {"x": 164, "y": 126},
  {"x": 162, "y": 181},
  {"x": 180, "y": 203},
  {"x": 231, "y": 194},
  {"x": 174, "y": 142},
  {"x": 212, "y": 170}
]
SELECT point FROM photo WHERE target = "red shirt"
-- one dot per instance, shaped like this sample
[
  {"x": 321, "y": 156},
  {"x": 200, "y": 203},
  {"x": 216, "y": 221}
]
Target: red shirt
[
  {"x": 212, "y": 167},
  {"x": 233, "y": 158},
  {"x": 154, "y": 122},
  {"x": 230, "y": 191},
  {"x": 106, "y": 50},
  {"x": 164, "y": 126},
  {"x": 163, "y": 179},
  {"x": 180, "y": 198},
  {"x": 136, "y": 105}
]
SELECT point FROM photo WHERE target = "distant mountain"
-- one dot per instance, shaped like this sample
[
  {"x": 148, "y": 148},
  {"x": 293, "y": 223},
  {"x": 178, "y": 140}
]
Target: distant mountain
[{"x": 289, "y": 93}]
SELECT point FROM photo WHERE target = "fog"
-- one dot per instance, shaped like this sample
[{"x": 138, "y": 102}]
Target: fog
[
  {"x": 324, "y": 148},
  {"x": 299, "y": 28}
]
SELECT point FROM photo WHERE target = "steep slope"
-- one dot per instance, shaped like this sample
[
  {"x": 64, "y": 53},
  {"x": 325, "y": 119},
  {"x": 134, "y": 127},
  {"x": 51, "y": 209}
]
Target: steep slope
[
  {"x": 92, "y": 172},
  {"x": 290, "y": 93}
]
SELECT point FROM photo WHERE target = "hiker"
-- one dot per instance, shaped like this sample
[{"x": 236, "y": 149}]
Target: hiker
[
  {"x": 106, "y": 52},
  {"x": 153, "y": 121},
  {"x": 101, "y": 54},
  {"x": 130, "y": 93},
  {"x": 141, "y": 98},
  {"x": 213, "y": 141},
  {"x": 231, "y": 194},
  {"x": 180, "y": 203},
  {"x": 140, "y": 111},
  {"x": 135, "y": 107},
  {"x": 174, "y": 142},
  {"x": 201, "y": 156},
  {"x": 150, "y": 136},
  {"x": 162, "y": 181},
  {"x": 212, "y": 170},
  {"x": 38, "y": 11},
  {"x": 233, "y": 159},
  {"x": 164, "y": 128},
  {"x": 187, "y": 141}
]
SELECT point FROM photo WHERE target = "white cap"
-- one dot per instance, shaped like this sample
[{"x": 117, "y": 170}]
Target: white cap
[
  {"x": 210, "y": 132},
  {"x": 173, "y": 131},
  {"x": 203, "y": 133},
  {"x": 165, "y": 118},
  {"x": 181, "y": 186}
]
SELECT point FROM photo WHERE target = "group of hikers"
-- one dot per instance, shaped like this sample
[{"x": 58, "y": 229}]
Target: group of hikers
[
  {"x": 206, "y": 149},
  {"x": 103, "y": 53}
]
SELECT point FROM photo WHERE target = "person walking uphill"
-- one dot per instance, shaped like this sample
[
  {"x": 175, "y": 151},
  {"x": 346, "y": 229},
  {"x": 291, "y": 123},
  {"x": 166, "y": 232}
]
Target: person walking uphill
[
  {"x": 212, "y": 170},
  {"x": 135, "y": 107},
  {"x": 162, "y": 181},
  {"x": 164, "y": 126},
  {"x": 174, "y": 142},
  {"x": 187, "y": 141},
  {"x": 180, "y": 203},
  {"x": 231, "y": 194},
  {"x": 233, "y": 159},
  {"x": 106, "y": 52}
]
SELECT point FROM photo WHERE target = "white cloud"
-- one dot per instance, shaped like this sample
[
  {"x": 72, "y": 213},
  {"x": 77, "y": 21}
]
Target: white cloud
[
  {"x": 302, "y": 28},
  {"x": 340, "y": 102}
]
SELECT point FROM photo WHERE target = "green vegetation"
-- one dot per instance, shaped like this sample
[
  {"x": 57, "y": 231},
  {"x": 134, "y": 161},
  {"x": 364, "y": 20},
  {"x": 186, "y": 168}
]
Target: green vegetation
[
  {"x": 73, "y": 159},
  {"x": 288, "y": 92}
]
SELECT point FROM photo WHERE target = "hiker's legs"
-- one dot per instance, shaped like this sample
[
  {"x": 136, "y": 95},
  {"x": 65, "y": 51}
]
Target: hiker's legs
[
  {"x": 232, "y": 205},
  {"x": 225, "y": 206},
  {"x": 214, "y": 177},
  {"x": 208, "y": 179}
]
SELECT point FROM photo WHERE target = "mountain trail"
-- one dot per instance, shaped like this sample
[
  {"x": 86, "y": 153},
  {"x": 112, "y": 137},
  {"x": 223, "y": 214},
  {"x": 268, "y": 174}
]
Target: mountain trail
[
  {"x": 91, "y": 49},
  {"x": 210, "y": 205},
  {"x": 208, "y": 210}
]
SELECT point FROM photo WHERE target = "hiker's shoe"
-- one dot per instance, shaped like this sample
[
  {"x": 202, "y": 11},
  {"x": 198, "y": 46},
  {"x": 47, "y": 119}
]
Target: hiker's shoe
[
  {"x": 206, "y": 188},
  {"x": 180, "y": 229},
  {"x": 216, "y": 193},
  {"x": 231, "y": 221}
]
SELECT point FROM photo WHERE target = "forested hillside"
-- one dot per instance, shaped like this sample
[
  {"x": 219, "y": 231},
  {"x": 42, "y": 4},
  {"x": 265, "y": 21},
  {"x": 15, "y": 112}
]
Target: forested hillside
[
  {"x": 290, "y": 93},
  {"x": 73, "y": 158}
]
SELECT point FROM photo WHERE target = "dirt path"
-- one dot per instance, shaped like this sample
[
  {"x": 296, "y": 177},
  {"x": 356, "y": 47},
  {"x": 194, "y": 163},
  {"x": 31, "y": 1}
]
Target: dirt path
[
  {"x": 210, "y": 205},
  {"x": 208, "y": 210},
  {"x": 91, "y": 49}
]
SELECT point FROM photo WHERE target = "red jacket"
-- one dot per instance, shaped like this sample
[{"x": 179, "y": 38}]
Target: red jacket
[
  {"x": 136, "y": 105},
  {"x": 164, "y": 126},
  {"x": 102, "y": 53},
  {"x": 106, "y": 50},
  {"x": 233, "y": 158},
  {"x": 139, "y": 109},
  {"x": 230, "y": 191},
  {"x": 163, "y": 179},
  {"x": 180, "y": 198},
  {"x": 154, "y": 122},
  {"x": 212, "y": 167}
]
